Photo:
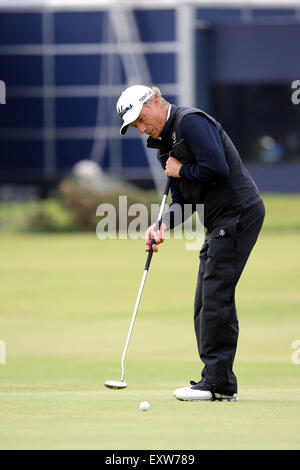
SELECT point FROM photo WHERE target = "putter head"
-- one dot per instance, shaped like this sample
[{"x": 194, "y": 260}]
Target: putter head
[{"x": 115, "y": 384}]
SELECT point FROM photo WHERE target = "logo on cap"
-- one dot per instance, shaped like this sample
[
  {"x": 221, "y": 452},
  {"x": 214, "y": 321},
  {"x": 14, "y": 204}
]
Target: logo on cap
[
  {"x": 150, "y": 92},
  {"x": 124, "y": 111}
]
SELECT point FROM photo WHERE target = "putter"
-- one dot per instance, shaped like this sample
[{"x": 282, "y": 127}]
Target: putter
[{"x": 119, "y": 384}]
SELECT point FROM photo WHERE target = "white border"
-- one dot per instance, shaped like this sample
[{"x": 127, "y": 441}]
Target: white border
[{"x": 82, "y": 5}]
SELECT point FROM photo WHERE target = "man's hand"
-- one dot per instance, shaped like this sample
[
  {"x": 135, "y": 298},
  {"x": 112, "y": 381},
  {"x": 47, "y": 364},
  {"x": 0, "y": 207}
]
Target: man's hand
[
  {"x": 158, "y": 237},
  {"x": 172, "y": 167}
]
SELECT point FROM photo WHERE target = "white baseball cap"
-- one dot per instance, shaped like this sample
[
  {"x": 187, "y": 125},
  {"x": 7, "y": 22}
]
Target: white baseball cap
[{"x": 130, "y": 104}]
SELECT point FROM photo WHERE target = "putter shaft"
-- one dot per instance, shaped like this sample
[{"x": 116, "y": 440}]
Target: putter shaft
[{"x": 137, "y": 303}]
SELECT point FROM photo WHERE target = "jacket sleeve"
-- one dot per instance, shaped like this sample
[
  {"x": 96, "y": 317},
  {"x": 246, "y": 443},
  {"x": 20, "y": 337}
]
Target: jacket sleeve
[{"x": 203, "y": 140}]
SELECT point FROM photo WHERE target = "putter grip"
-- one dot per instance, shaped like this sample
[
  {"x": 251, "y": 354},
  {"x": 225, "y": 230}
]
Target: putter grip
[
  {"x": 149, "y": 257},
  {"x": 167, "y": 188},
  {"x": 156, "y": 228}
]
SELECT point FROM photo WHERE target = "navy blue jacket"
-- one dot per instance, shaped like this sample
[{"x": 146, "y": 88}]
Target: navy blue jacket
[{"x": 212, "y": 173}]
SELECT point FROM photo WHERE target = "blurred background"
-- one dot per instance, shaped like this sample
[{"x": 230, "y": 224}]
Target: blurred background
[{"x": 65, "y": 63}]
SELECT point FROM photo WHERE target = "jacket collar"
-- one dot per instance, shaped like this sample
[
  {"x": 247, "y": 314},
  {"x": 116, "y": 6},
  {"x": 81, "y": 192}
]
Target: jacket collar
[
  {"x": 169, "y": 123},
  {"x": 165, "y": 137}
]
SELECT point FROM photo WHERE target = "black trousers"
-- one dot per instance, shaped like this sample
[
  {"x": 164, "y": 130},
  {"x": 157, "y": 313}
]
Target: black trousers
[{"x": 223, "y": 256}]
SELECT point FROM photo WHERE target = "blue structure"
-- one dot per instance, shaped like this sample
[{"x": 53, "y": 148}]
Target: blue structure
[{"x": 64, "y": 67}]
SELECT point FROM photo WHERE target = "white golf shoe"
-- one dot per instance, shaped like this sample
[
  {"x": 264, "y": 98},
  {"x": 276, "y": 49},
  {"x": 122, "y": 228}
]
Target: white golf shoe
[{"x": 192, "y": 394}]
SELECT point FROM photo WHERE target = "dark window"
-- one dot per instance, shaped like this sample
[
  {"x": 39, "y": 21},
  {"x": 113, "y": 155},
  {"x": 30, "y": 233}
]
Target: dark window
[{"x": 261, "y": 120}]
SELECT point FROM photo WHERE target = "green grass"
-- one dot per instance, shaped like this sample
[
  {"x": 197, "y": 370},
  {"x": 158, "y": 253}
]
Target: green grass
[
  {"x": 283, "y": 211},
  {"x": 66, "y": 304}
]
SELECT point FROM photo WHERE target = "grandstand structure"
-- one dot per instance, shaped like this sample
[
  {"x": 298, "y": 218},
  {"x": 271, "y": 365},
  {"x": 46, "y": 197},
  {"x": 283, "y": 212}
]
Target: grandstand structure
[{"x": 64, "y": 64}]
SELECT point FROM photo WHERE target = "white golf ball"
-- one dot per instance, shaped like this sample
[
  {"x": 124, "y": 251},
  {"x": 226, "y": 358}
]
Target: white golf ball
[{"x": 144, "y": 406}]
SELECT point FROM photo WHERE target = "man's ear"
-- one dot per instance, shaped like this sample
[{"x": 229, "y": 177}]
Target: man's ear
[{"x": 155, "y": 101}]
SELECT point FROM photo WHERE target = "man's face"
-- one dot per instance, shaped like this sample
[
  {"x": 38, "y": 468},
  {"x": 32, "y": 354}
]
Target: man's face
[{"x": 151, "y": 120}]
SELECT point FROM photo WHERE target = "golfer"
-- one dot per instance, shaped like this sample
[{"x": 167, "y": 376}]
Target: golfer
[{"x": 204, "y": 168}]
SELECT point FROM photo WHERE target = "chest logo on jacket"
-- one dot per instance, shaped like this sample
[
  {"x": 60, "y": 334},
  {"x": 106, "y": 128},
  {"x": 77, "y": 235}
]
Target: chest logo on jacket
[{"x": 174, "y": 137}]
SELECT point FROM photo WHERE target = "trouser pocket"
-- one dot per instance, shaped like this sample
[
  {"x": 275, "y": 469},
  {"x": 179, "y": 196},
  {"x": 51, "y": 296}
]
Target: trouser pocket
[{"x": 220, "y": 270}]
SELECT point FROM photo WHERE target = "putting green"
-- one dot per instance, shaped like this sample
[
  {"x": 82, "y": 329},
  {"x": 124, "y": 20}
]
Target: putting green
[{"x": 66, "y": 305}]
